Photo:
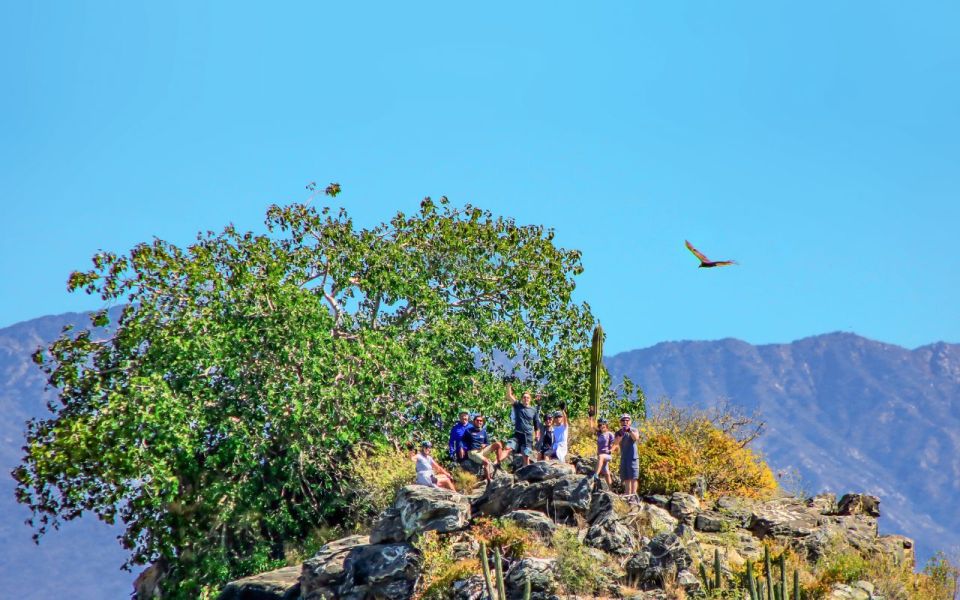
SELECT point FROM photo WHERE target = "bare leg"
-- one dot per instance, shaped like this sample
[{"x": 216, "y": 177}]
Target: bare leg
[{"x": 446, "y": 483}]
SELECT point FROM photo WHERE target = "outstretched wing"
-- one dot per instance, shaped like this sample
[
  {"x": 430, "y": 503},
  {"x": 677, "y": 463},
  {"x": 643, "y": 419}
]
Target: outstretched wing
[
  {"x": 724, "y": 263},
  {"x": 696, "y": 252}
]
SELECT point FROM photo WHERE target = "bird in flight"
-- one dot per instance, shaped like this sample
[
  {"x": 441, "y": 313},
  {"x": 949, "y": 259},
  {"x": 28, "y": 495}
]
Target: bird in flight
[{"x": 706, "y": 263}]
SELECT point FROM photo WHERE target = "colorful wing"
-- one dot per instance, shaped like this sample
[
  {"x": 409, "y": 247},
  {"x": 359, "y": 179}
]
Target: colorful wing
[{"x": 696, "y": 252}]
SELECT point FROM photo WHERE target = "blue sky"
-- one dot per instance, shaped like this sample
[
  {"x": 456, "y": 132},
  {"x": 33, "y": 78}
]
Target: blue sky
[{"x": 817, "y": 143}]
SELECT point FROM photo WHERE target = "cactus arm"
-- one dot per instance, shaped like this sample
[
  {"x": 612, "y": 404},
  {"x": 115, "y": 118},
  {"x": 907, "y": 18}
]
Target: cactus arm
[{"x": 486, "y": 569}]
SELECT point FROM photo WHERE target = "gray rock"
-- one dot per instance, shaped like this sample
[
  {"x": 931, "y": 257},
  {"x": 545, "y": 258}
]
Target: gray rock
[
  {"x": 472, "y": 588},
  {"x": 786, "y": 517},
  {"x": 351, "y": 569},
  {"x": 658, "y": 500},
  {"x": 664, "y": 556},
  {"x": 539, "y": 571},
  {"x": 326, "y": 568},
  {"x": 498, "y": 496},
  {"x": 688, "y": 581},
  {"x": 559, "y": 498},
  {"x": 604, "y": 504},
  {"x": 281, "y": 584},
  {"x": 825, "y": 504},
  {"x": 419, "y": 508},
  {"x": 899, "y": 547},
  {"x": 713, "y": 522},
  {"x": 543, "y": 470},
  {"x": 612, "y": 536},
  {"x": 684, "y": 507},
  {"x": 533, "y": 520},
  {"x": 859, "y": 504}
]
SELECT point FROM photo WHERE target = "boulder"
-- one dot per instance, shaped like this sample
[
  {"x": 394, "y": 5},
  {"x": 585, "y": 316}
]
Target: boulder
[
  {"x": 539, "y": 571},
  {"x": 858, "y": 590},
  {"x": 859, "y": 504},
  {"x": 899, "y": 547},
  {"x": 559, "y": 498},
  {"x": 665, "y": 556},
  {"x": 785, "y": 518},
  {"x": 658, "y": 518},
  {"x": 326, "y": 568},
  {"x": 825, "y": 504},
  {"x": 498, "y": 496},
  {"x": 471, "y": 588},
  {"x": 351, "y": 569},
  {"x": 612, "y": 536},
  {"x": 419, "y": 508},
  {"x": 543, "y": 470},
  {"x": 533, "y": 520},
  {"x": 684, "y": 507},
  {"x": 281, "y": 584},
  {"x": 713, "y": 522}
]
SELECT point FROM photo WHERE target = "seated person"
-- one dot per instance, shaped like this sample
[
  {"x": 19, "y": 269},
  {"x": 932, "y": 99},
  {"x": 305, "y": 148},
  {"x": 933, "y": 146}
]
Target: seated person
[
  {"x": 455, "y": 446},
  {"x": 426, "y": 468},
  {"x": 476, "y": 443}
]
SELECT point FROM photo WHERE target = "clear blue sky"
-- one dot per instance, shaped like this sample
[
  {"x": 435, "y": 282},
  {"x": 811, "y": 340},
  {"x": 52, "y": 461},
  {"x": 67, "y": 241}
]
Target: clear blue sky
[{"x": 818, "y": 143}]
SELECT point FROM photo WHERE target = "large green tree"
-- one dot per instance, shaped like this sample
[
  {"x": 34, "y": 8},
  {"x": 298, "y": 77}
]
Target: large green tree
[{"x": 214, "y": 418}]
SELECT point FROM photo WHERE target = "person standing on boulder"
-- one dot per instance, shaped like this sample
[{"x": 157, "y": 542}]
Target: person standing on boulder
[
  {"x": 604, "y": 451},
  {"x": 560, "y": 434},
  {"x": 476, "y": 443},
  {"x": 626, "y": 441},
  {"x": 429, "y": 471},
  {"x": 545, "y": 446},
  {"x": 455, "y": 445},
  {"x": 526, "y": 426}
]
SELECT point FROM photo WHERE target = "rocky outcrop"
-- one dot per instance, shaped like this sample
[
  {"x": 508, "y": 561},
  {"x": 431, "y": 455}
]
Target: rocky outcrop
[
  {"x": 282, "y": 584},
  {"x": 418, "y": 509},
  {"x": 645, "y": 544},
  {"x": 352, "y": 569}
]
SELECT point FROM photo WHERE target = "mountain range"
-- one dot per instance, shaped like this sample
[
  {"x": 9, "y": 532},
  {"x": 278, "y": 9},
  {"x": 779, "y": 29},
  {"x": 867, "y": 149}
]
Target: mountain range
[{"x": 842, "y": 412}]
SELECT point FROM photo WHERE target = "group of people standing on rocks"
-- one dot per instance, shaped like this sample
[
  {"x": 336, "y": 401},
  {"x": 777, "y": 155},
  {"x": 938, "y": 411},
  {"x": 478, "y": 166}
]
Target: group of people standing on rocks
[{"x": 535, "y": 436}]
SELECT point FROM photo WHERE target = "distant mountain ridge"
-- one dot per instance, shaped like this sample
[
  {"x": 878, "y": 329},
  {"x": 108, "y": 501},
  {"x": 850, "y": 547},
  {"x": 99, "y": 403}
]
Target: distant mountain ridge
[{"x": 848, "y": 412}]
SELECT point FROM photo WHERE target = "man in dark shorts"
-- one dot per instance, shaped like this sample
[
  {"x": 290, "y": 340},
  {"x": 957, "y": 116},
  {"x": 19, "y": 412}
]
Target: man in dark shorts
[
  {"x": 526, "y": 425},
  {"x": 626, "y": 441}
]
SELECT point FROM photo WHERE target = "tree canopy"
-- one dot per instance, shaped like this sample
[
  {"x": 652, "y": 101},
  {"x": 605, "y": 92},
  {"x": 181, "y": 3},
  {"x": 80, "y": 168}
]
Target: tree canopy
[{"x": 214, "y": 419}]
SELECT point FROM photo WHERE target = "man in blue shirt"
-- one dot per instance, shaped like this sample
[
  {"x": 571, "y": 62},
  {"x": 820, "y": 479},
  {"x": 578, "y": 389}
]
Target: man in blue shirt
[
  {"x": 455, "y": 445},
  {"x": 476, "y": 443}
]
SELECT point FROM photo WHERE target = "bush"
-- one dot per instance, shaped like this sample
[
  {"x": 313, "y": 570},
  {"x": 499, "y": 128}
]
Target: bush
[
  {"x": 667, "y": 462},
  {"x": 578, "y": 571},
  {"x": 440, "y": 569},
  {"x": 514, "y": 541},
  {"x": 463, "y": 480},
  {"x": 376, "y": 475}
]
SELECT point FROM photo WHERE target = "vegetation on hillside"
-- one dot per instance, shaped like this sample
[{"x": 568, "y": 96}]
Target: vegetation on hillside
[{"x": 222, "y": 418}]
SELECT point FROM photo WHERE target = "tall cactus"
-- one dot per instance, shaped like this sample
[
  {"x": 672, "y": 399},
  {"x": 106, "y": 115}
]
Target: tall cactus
[
  {"x": 768, "y": 566},
  {"x": 596, "y": 369},
  {"x": 501, "y": 588},
  {"x": 486, "y": 570}
]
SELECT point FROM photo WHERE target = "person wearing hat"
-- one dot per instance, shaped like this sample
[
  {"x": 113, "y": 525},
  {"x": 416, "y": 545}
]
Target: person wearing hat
[
  {"x": 476, "y": 442},
  {"x": 604, "y": 451},
  {"x": 626, "y": 441},
  {"x": 429, "y": 472},
  {"x": 455, "y": 445}
]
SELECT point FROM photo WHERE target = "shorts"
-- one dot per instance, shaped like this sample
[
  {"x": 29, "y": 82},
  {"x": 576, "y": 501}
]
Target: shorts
[
  {"x": 630, "y": 470},
  {"x": 521, "y": 443},
  {"x": 605, "y": 469},
  {"x": 476, "y": 457}
]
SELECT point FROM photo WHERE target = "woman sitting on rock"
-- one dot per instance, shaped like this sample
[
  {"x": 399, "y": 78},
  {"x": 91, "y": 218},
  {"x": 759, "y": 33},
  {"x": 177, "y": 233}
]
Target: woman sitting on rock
[{"x": 426, "y": 466}]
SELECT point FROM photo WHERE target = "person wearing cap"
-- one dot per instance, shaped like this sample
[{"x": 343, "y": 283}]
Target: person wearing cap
[
  {"x": 477, "y": 444},
  {"x": 526, "y": 426},
  {"x": 604, "y": 451},
  {"x": 455, "y": 445},
  {"x": 429, "y": 472},
  {"x": 560, "y": 431},
  {"x": 626, "y": 442}
]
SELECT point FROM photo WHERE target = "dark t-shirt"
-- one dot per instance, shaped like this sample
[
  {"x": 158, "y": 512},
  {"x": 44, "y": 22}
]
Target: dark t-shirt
[
  {"x": 629, "y": 453},
  {"x": 525, "y": 418},
  {"x": 474, "y": 439}
]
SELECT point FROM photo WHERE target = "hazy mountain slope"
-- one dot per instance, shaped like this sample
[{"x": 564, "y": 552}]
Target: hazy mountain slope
[
  {"x": 849, "y": 413},
  {"x": 81, "y": 560}
]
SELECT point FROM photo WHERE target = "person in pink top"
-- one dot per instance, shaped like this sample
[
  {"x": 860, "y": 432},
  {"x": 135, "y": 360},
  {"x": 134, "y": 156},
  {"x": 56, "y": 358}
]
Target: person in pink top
[{"x": 604, "y": 451}]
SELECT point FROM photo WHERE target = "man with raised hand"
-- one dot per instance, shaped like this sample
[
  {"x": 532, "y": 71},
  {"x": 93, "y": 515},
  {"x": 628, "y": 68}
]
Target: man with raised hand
[
  {"x": 526, "y": 425},
  {"x": 626, "y": 442}
]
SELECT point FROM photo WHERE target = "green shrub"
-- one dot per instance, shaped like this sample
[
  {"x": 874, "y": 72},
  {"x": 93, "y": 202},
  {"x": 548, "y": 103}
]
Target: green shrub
[
  {"x": 578, "y": 571},
  {"x": 376, "y": 475}
]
